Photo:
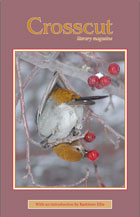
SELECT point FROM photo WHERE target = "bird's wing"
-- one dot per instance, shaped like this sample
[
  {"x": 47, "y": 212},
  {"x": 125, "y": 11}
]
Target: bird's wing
[{"x": 46, "y": 95}]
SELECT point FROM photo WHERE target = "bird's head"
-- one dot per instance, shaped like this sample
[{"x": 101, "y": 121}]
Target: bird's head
[{"x": 72, "y": 152}]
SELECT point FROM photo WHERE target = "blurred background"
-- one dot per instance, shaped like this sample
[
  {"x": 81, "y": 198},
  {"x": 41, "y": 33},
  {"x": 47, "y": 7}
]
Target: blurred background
[{"x": 49, "y": 170}]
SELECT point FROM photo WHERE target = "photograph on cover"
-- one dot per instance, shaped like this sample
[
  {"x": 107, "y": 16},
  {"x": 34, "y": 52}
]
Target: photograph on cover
[{"x": 70, "y": 119}]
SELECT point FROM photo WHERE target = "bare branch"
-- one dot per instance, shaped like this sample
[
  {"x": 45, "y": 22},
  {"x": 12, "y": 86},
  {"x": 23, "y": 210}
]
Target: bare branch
[
  {"x": 107, "y": 126},
  {"x": 79, "y": 182},
  {"x": 28, "y": 166},
  {"x": 98, "y": 177},
  {"x": 27, "y": 82},
  {"x": 39, "y": 60},
  {"x": 82, "y": 180},
  {"x": 69, "y": 139}
]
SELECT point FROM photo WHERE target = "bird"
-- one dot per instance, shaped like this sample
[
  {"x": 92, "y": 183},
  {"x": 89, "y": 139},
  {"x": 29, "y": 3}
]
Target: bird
[
  {"x": 62, "y": 115},
  {"x": 71, "y": 152}
]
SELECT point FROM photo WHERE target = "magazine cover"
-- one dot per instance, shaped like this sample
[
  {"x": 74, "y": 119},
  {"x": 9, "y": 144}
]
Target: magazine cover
[{"x": 69, "y": 108}]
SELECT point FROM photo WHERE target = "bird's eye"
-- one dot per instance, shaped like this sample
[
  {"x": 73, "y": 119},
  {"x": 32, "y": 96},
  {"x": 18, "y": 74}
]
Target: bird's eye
[{"x": 78, "y": 149}]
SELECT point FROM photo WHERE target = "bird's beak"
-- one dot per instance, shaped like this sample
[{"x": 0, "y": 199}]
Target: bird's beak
[{"x": 85, "y": 152}]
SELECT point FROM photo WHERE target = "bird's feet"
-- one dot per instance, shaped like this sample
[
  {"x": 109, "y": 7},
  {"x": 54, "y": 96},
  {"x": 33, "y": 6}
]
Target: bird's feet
[
  {"x": 76, "y": 132},
  {"x": 44, "y": 144}
]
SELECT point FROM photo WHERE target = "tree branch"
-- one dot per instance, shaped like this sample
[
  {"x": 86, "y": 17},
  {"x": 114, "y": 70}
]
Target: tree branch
[
  {"x": 28, "y": 166},
  {"x": 53, "y": 65},
  {"x": 27, "y": 82}
]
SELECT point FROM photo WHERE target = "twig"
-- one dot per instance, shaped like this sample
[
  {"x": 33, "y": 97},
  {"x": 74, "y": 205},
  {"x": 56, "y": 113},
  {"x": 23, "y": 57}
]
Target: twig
[
  {"x": 102, "y": 63},
  {"x": 110, "y": 103},
  {"x": 79, "y": 182},
  {"x": 86, "y": 178},
  {"x": 96, "y": 59},
  {"x": 85, "y": 144},
  {"x": 87, "y": 61},
  {"x": 99, "y": 178},
  {"x": 50, "y": 56},
  {"x": 39, "y": 60},
  {"x": 65, "y": 80},
  {"x": 82, "y": 180},
  {"x": 69, "y": 139},
  {"x": 27, "y": 82},
  {"x": 106, "y": 125},
  {"x": 88, "y": 122},
  {"x": 19, "y": 119},
  {"x": 28, "y": 166},
  {"x": 108, "y": 137},
  {"x": 115, "y": 143}
]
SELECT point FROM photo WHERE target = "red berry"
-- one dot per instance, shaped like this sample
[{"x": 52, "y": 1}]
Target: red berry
[
  {"x": 92, "y": 155},
  {"x": 114, "y": 68},
  {"x": 93, "y": 80},
  {"x": 105, "y": 80},
  {"x": 90, "y": 136},
  {"x": 99, "y": 86}
]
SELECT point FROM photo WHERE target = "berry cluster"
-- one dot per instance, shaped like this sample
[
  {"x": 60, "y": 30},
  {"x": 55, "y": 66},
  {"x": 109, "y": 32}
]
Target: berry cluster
[
  {"x": 92, "y": 155},
  {"x": 99, "y": 83}
]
